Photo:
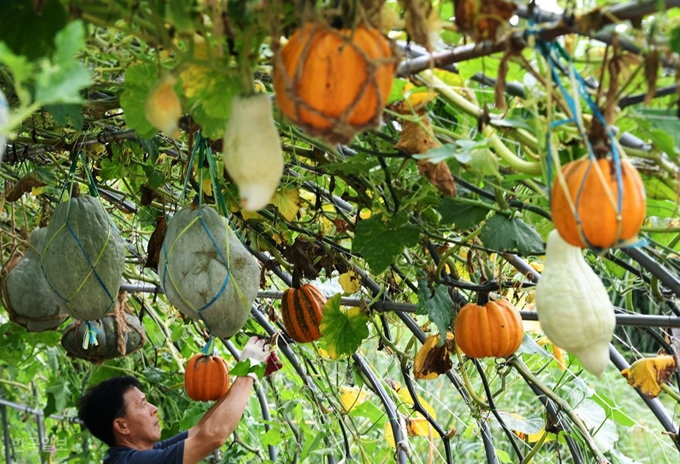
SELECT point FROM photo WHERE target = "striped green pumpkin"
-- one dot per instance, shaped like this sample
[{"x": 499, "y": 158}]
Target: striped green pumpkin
[{"x": 302, "y": 309}]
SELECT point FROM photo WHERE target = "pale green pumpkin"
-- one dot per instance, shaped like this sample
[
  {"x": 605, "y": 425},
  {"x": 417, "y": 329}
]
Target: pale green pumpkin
[
  {"x": 193, "y": 271},
  {"x": 107, "y": 346},
  {"x": 30, "y": 298},
  {"x": 83, "y": 258}
]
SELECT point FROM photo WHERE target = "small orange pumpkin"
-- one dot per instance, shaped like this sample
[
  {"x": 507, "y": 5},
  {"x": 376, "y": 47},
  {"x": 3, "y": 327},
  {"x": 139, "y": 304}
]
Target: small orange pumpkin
[
  {"x": 493, "y": 330},
  {"x": 206, "y": 378},
  {"x": 334, "y": 83},
  {"x": 302, "y": 309},
  {"x": 601, "y": 226}
]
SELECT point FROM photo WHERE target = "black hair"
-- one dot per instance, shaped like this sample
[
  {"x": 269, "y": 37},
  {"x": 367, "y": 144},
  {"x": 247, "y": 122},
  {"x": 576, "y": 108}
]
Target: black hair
[{"x": 104, "y": 403}]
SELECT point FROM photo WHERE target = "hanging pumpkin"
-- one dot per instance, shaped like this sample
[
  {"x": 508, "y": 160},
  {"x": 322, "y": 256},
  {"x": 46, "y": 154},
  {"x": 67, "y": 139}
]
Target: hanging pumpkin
[
  {"x": 117, "y": 334},
  {"x": 206, "y": 377},
  {"x": 83, "y": 258},
  {"x": 334, "y": 83},
  {"x": 595, "y": 202},
  {"x": 29, "y": 300},
  {"x": 302, "y": 310},
  {"x": 206, "y": 272},
  {"x": 490, "y": 330}
]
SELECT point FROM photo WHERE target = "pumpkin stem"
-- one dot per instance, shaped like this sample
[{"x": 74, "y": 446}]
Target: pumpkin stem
[
  {"x": 296, "y": 277},
  {"x": 482, "y": 298}
]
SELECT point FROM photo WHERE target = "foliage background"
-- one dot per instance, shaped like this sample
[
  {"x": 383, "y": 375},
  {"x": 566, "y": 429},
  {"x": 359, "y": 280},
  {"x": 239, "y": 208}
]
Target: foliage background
[{"x": 361, "y": 219}]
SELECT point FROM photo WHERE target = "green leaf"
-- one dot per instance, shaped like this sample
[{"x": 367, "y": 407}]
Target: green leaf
[
  {"x": 663, "y": 141},
  {"x": 503, "y": 234},
  {"x": 179, "y": 14},
  {"x": 138, "y": 81},
  {"x": 379, "y": 242},
  {"x": 244, "y": 367},
  {"x": 613, "y": 410},
  {"x": 343, "y": 331},
  {"x": 19, "y": 66},
  {"x": 29, "y": 32},
  {"x": 156, "y": 178},
  {"x": 367, "y": 409},
  {"x": 460, "y": 213},
  {"x": 674, "y": 41},
  {"x": 58, "y": 395},
  {"x": 60, "y": 80},
  {"x": 438, "y": 307},
  {"x": 396, "y": 91},
  {"x": 62, "y": 114},
  {"x": 212, "y": 128}
]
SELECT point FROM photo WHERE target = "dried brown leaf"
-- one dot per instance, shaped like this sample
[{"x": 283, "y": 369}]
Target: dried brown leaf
[{"x": 25, "y": 185}]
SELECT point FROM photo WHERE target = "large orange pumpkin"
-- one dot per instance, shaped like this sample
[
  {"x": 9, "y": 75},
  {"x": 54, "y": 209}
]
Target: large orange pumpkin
[
  {"x": 302, "y": 309},
  {"x": 334, "y": 83},
  {"x": 493, "y": 330},
  {"x": 595, "y": 202},
  {"x": 206, "y": 378}
]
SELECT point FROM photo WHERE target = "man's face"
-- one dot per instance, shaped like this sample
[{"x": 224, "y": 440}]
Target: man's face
[{"x": 140, "y": 417}]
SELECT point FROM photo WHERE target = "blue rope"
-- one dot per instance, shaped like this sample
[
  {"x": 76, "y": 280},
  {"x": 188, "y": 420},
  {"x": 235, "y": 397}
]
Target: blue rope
[{"x": 548, "y": 50}]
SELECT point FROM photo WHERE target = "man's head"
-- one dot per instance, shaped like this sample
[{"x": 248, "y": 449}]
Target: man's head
[{"x": 116, "y": 412}]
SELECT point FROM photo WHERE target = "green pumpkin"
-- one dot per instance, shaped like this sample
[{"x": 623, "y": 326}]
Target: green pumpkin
[
  {"x": 30, "y": 300},
  {"x": 107, "y": 338},
  {"x": 193, "y": 271},
  {"x": 83, "y": 258}
]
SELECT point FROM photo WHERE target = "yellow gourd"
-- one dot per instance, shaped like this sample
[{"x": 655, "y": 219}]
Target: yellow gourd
[{"x": 573, "y": 305}]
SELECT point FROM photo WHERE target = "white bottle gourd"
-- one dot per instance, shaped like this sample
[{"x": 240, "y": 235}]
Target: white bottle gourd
[
  {"x": 573, "y": 305},
  {"x": 252, "y": 150}
]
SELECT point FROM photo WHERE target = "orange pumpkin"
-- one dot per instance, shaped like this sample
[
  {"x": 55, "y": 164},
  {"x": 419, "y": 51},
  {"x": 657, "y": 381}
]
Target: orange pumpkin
[
  {"x": 206, "y": 378},
  {"x": 494, "y": 329},
  {"x": 596, "y": 203},
  {"x": 334, "y": 83},
  {"x": 302, "y": 309}
]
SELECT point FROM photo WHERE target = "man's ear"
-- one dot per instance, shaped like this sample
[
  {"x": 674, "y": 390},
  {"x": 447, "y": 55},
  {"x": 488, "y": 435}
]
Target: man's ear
[{"x": 120, "y": 426}]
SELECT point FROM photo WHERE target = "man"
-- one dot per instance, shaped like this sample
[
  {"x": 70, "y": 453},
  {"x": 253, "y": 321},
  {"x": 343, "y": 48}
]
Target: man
[{"x": 116, "y": 411}]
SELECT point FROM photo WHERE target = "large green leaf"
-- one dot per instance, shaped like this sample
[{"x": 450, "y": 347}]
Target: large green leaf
[
  {"x": 138, "y": 81},
  {"x": 504, "y": 234},
  {"x": 379, "y": 241},
  {"x": 461, "y": 213},
  {"x": 343, "y": 330},
  {"x": 61, "y": 80},
  {"x": 438, "y": 306}
]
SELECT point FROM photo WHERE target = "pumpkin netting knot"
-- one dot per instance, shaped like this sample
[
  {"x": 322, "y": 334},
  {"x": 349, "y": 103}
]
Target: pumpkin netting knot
[{"x": 334, "y": 83}]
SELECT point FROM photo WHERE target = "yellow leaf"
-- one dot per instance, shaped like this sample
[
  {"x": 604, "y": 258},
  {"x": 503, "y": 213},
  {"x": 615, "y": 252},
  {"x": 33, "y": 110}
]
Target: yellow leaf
[
  {"x": 537, "y": 266},
  {"x": 250, "y": 215},
  {"x": 351, "y": 397},
  {"x": 389, "y": 435},
  {"x": 287, "y": 200},
  {"x": 419, "y": 426},
  {"x": 349, "y": 281},
  {"x": 451, "y": 79},
  {"x": 648, "y": 374},
  {"x": 432, "y": 361},
  {"x": 195, "y": 78},
  {"x": 259, "y": 86},
  {"x": 365, "y": 213},
  {"x": 406, "y": 397},
  {"x": 35, "y": 191},
  {"x": 207, "y": 187}
]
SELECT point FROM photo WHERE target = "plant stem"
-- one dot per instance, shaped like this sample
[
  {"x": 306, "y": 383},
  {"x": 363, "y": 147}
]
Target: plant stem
[
  {"x": 527, "y": 459},
  {"x": 672, "y": 393},
  {"x": 473, "y": 394},
  {"x": 563, "y": 405}
]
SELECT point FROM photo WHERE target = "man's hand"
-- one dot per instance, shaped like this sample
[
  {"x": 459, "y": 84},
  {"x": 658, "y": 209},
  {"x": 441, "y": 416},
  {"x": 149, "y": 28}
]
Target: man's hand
[{"x": 258, "y": 351}]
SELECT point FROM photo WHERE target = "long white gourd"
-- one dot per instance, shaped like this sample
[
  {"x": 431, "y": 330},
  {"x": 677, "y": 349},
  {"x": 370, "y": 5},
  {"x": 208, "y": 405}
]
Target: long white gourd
[
  {"x": 252, "y": 150},
  {"x": 573, "y": 305}
]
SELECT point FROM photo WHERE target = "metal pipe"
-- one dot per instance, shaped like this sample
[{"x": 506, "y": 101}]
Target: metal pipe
[{"x": 5, "y": 434}]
